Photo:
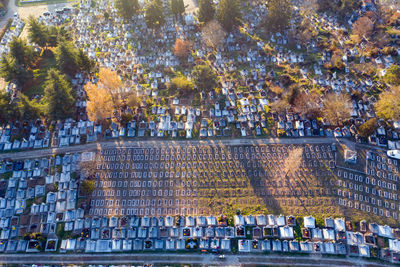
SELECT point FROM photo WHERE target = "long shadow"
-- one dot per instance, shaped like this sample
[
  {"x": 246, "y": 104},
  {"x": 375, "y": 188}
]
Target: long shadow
[{"x": 219, "y": 179}]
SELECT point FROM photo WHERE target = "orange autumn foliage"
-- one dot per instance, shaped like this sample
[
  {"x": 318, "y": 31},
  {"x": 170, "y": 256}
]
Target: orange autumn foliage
[{"x": 181, "y": 48}]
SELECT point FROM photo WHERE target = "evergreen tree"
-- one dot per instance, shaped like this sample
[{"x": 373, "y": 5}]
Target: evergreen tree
[
  {"x": 206, "y": 10},
  {"x": 22, "y": 52},
  {"x": 60, "y": 102},
  {"x": 229, "y": 14},
  {"x": 85, "y": 64},
  {"x": 177, "y": 7},
  {"x": 27, "y": 109},
  {"x": 127, "y": 8},
  {"x": 8, "y": 68},
  {"x": 57, "y": 35},
  {"x": 66, "y": 57},
  {"x": 279, "y": 15},
  {"x": 7, "y": 109},
  {"x": 154, "y": 14},
  {"x": 37, "y": 32},
  {"x": 11, "y": 71}
]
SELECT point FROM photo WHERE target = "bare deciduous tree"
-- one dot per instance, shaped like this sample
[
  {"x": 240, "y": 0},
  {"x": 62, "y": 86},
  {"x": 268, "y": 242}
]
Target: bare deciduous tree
[
  {"x": 305, "y": 32},
  {"x": 363, "y": 27},
  {"x": 307, "y": 104},
  {"x": 213, "y": 34},
  {"x": 336, "y": 107},
  {"x": 280, "y": 105}
]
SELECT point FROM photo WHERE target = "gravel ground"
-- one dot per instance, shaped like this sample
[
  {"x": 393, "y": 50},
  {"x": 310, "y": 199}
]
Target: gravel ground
[{"x": 26, "y": 11}]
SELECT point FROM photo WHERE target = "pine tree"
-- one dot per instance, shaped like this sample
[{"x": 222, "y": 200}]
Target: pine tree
[
  {"x": 27, "y": 109},
  {"x": 37, "y": 32},
  {"x": 7, "y": 109},
  {"x": 279, "y": 15},
  {"x": 57, "y": 35},
  {"x": 66, "y": 57},
  {"x": 177, "y": 7},
  {"x": 22, "y": 52},
  {"x": 154, "y": 14},
  {"x": 229, "y": 14},
  {"x": 60, "y": 102},
  {"x": 8, "y": 68},
  {"x": 206, "y": 11},
  {"x": 85, "y": 64},
  {"x": 11, "y": 71},
  {"x": 127, "y": 8}
]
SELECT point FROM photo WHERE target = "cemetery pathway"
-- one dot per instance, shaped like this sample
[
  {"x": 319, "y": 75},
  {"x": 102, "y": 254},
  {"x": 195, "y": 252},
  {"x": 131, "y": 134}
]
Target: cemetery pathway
[
  {"x": 12, "y": 8},
  {"x": 184, "y": 258},
  {"x": 119, "y": 143},
  {"x": 191, "y": 6}
]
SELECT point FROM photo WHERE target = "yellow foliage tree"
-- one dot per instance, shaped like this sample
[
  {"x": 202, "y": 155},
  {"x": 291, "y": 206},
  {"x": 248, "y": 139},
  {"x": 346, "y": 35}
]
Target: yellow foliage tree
[
  {"x": 388, "y": 106},
  {"x": 100, "y": 105},
  {"x": 112, "y": 84},
  {"x": 105, "y": 96}
]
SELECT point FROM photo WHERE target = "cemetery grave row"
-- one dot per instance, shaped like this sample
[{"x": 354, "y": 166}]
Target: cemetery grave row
[
  {"x": 374, "y": 189},
  {"x": 197, "y": 180}
]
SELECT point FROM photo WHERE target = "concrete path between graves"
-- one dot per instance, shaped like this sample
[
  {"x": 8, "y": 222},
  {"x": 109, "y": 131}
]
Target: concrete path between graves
[
  {"x": 119, "y": 143},
  {"x": 184, "y": 259}
]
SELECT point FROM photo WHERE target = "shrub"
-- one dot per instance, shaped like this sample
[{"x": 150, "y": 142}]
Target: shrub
[
  {"x": 392, "y": 75},
  {"x": 87, "y": 187},
  {"x": 368, "y": 128},
  {"x": 389, "y": 50},
  {"x": 182, "y": 85}
]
